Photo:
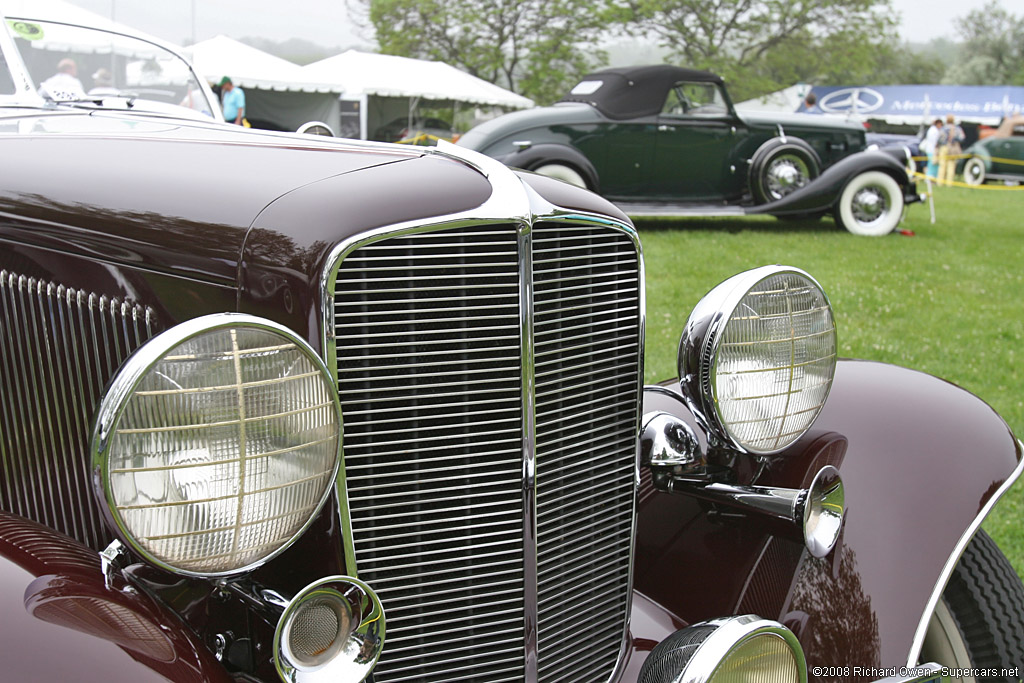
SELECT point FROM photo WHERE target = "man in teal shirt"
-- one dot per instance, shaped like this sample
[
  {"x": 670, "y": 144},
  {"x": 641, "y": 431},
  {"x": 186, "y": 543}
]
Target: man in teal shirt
[{"x": 232, "y": 101}]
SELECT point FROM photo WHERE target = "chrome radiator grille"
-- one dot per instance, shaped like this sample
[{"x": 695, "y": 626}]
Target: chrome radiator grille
[
  {"x": 587, "y": 322},
  {"x": 429, "y": 378},
  {"x": 58, "y": 349},
  {"x": 429, "y": 357}
]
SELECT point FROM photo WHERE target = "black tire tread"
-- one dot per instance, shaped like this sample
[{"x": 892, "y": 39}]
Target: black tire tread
[{"x": 986, "y": 598}]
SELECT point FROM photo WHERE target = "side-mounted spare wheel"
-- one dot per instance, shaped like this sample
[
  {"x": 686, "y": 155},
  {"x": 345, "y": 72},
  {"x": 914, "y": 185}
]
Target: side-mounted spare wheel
[
  {"x": 781, "y": 166},
  {"x": 979, "y": 621},
  {"x": 871, "y": 204}
]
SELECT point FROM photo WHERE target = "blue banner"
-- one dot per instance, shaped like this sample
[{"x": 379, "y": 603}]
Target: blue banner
[{"x": 883, "y": 101}]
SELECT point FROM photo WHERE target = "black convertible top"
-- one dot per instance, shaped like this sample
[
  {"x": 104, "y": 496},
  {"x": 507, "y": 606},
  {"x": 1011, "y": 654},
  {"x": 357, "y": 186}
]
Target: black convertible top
[{"x": 629, "y": 92}]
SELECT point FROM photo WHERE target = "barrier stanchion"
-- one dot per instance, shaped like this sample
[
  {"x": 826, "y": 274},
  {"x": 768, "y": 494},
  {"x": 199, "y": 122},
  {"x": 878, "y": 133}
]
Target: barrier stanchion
[{"x": 931, "y": 197}]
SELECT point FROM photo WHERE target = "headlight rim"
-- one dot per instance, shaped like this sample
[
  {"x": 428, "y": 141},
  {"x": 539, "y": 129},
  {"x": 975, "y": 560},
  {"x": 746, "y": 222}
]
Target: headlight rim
[
  {"x": 700, "y": 342},
  {"x": 123, "y": 385},
  {"x": 732, "y": 633},
  {"x": 728, "y": 635}
]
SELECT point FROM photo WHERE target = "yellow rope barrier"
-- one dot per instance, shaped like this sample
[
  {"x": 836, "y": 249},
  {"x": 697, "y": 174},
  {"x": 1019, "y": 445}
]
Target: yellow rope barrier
[{"x": 956, "y": 183}]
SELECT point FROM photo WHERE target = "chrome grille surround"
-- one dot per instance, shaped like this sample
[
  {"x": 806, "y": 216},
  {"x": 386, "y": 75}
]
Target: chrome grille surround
[
  {"x": 70, "y": 344},
  {"x": 437, "y": 619}
]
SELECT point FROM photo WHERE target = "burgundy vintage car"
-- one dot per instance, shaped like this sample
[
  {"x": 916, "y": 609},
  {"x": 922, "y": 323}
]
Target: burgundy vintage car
[{"x": 278, "y": 406}]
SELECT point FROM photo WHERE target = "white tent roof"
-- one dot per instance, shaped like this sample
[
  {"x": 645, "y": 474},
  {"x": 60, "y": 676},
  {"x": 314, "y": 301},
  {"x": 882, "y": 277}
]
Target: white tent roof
[
  {"x": 251, "y": 68},
  {"x": 358, "y": 73},
  {"x": 785, "y": 100}
]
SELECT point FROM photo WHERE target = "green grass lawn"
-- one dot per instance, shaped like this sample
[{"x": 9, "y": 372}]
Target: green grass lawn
[{"x": 948, "y": 301}]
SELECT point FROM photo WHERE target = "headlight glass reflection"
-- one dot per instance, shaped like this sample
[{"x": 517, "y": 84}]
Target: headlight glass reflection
[
  {"x": 762, "y": 658},
  {"x": 224, "y": 449},
  {"x": 774, "y": 363}
]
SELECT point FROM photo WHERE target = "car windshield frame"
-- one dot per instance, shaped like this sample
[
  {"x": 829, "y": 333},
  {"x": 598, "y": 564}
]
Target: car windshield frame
[{"x": 123, "y": 51}]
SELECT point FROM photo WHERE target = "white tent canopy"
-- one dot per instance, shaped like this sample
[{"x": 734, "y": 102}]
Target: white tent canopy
[
  {"x": 362, "y": 73},
  {"x": 785, "y": 100},
  {"x": 251, "y": 68},
  {"x": 278, "y": 94}
]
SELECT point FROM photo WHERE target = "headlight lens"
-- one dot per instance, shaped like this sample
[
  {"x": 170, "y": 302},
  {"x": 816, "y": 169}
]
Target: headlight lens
[
  {"x": 758, "y": 357},
  {"x": 217, "y": 443},
  {"x": 762, "y": 657}
]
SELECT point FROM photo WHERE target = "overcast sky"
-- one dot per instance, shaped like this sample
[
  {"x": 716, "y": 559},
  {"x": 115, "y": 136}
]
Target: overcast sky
[{"x": 326, "y": 23}]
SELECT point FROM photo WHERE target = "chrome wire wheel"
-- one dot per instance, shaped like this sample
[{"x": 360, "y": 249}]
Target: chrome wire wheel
[
  {"x": 870, "y": 204},
  {"x": 784, "y": 174}
]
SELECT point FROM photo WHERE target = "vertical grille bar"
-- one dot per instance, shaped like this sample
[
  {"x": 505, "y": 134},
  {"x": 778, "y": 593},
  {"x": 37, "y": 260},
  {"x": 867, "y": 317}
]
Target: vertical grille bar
[
  {"x": 587, "y": 310},
  {"x": 430, "y": 350},
  {"x": 58, "y": 349},
  {"x": 428, "y": 358}
]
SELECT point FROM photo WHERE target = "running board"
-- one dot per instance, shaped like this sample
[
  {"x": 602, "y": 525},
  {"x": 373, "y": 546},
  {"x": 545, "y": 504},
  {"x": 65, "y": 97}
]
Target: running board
[{"x": 651, "y": 209}]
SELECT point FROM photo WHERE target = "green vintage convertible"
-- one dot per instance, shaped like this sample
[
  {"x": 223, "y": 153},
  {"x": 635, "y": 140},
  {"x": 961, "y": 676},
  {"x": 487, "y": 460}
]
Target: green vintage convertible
[{"x": 663, "y": 139}]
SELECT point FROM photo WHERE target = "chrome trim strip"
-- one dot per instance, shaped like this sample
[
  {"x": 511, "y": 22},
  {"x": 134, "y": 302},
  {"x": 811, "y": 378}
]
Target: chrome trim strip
[
  {"x": 529, "y": 429},
  {"x": 958, "y": 550}
]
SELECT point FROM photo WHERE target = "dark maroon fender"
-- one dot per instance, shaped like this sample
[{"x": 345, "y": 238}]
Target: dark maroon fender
[
  {"x": 921, "y": 460},
  {"x": 62, "y": 624}
]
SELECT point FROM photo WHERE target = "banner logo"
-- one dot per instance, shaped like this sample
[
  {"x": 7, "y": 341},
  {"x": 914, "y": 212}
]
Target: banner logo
[{"x": 851, "y": 101}]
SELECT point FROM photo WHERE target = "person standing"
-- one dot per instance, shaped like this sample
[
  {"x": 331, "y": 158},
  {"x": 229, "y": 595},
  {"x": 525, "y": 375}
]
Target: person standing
[
  {"x": 232, "y": 101},
  {"x": 810, "y": 104},
  {"x": 950, "y": 140},
  {"x": 63, "y": 85}
]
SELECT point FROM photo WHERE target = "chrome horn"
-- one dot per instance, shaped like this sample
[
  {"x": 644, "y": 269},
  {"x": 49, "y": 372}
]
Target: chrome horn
[
  {"x": 670, "y": 448},
  {"x": 333, "y": 630}
]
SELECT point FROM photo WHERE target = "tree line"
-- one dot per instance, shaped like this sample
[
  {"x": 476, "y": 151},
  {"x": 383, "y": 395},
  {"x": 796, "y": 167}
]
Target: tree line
[{"x": 540, "y": 48}]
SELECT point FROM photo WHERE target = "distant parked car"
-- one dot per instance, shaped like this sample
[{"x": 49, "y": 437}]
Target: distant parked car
[
  {"x": 671, "y": 135},
  {"x": 999, "y": 156}
]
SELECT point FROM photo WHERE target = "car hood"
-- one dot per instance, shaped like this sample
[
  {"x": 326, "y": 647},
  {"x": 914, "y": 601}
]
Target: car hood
[
  {"x": 796, "y": 121},
  {"x": 159, "y": 193}
]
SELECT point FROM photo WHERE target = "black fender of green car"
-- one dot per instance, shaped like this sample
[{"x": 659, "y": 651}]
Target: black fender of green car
[
  {"x": 535, "y": 156},
  {"x": 822, "y": 194}
]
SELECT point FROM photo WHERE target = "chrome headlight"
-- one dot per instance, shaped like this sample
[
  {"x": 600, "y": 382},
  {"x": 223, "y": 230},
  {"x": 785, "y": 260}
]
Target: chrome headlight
[
  {"x": 217, "y": 443},
  {"x": 734, "y": 650},
  {"x": 757, "y": 358}
]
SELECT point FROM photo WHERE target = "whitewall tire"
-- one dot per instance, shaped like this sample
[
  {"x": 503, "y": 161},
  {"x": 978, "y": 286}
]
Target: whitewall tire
[
  {"x": 561, "y": 172},
  {"x": 974, "y": 171},
  {"x": 871, "y": 204}
]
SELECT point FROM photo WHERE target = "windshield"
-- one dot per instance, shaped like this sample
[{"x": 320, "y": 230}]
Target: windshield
[{"x": 69, "y": 63}]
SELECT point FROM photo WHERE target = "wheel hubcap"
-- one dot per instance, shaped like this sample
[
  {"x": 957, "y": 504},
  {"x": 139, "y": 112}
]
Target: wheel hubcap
[
  {"x": 785, "y": 175},
  {"x": 870, "y": 204}
]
